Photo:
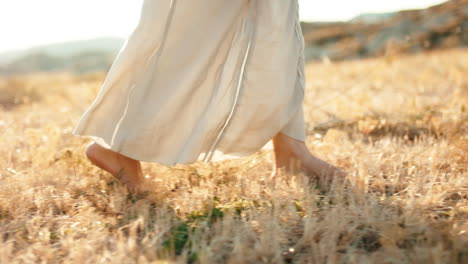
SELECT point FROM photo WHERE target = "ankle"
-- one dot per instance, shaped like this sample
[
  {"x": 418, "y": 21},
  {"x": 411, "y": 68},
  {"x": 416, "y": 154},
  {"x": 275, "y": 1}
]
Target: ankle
[
  {"x": 92, "y": 153},
  {"x": 103, "y": 158}
]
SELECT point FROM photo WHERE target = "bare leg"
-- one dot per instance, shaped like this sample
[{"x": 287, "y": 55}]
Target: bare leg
[
  {"x": 128, "y": 170},
  {"x": 292, "y": 155}
]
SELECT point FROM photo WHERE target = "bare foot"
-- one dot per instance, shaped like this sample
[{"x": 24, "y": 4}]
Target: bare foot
[
  {"x": 293, "y": 156},
  {"x": 126, "y": 170}
]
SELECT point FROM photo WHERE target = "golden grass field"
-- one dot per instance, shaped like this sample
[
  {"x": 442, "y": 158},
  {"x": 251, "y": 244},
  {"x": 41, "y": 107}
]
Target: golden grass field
[{"x": 397, "y": 124}]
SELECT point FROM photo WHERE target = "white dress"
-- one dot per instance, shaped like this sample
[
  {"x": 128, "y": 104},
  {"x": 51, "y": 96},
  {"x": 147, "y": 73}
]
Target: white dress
[{"x": 202, "y": 80}]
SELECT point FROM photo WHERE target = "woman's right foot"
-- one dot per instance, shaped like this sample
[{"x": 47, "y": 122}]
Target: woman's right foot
[
  {"x": 127, "y": 170},
  {"x": 293, "y": 155}
]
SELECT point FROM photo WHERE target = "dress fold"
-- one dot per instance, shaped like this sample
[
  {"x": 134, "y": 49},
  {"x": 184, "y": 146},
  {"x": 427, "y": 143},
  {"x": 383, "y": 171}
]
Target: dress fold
[{"x": 193, "y": 83}]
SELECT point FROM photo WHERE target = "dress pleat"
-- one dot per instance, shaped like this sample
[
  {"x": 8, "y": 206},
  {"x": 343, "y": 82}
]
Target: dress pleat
[{"x": 202, "y": 80}]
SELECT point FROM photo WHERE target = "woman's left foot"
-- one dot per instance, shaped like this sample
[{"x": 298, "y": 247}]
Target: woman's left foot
[{"x": 128, "y": 171}]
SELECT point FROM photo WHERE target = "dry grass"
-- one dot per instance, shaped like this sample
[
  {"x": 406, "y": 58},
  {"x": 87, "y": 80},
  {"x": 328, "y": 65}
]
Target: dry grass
[{"x": 397, "y": 124}]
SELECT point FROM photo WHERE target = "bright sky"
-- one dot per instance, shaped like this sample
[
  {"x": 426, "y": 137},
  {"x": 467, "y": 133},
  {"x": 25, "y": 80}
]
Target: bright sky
[{"x": 25, "y": 23}]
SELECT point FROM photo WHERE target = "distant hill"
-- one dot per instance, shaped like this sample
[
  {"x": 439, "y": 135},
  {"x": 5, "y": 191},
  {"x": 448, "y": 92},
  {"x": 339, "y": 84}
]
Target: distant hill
[
  {"x": 437, "y": 27},
  {"x": 77, "y": 56},
  {"x": 372, "y": 17},
  {"x": 440, "y": 26}
]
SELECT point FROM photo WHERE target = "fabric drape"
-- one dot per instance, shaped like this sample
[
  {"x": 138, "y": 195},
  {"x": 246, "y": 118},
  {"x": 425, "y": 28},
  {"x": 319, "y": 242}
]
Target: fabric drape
[{"x": 202, "y": 80}]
